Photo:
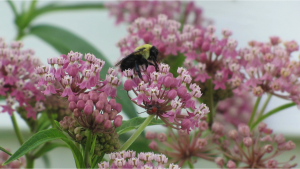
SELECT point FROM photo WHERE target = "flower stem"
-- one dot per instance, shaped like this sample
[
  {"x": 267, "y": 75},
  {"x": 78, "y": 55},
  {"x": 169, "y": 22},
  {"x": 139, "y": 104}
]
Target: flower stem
[
  {"x": 51, "y": 119},
  {"x": 87, "y": 148},
  {"x": 265, "y": 105},
  {"x": 29, "y": 162},
  {"x": 16, "y": 128},
  {"x": 210, "y": 103},
  {"x": 277, "y": 109},
  {"x": 13, "y": 7},
  {"x": 190, "y": 165},
  {"x": 137, "y": 133},
  {"x": 254, "y": 111}
]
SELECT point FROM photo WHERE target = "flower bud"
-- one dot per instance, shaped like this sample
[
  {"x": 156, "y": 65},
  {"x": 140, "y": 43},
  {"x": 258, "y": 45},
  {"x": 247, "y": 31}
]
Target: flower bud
[
  {"x": 290, "y": 145},
  {"x": 244, "y": 130},
  {"x": 231, "y": 164},
  {"x": 107, "y": 108},
  {"x": 103, "y": 97},
  {"x": 181, "y": 91},
  {"x": 248, "y": 141},
  {"x": 268, "y": 148},
  {"x": 80, "y": 104},
  {"x": 113, "y": 103},
  {"x": 185, "y": 124},
  {"x": 203, "y": 125},
  {"x": 262, "y": 126},
  {"x": 118, "y": 121},
  {"x": 80, "y": 97},
  {"x": 86, "y": 97},
  {"x": 118, "y": 107},
  {"x": 94, "y": 96},
  {"x": 76, "y": 112},
  {"x": 233, "y": 134},
  {"x": 88, "y": 109},
  {"x": 90, "y": 102},
  {"x": 150, "y": 135},
  {"x": 105, "y": 116},
  {"x": 72, "y": 105},
  {"x": 272, "y": 163},
  {"x": 219, "y": 161},
  {"x": 172, "y": 94},
  {"x": 113, "y": 114},
  {"x": 201, "y": 143},
  {"x": 107, "y": 124},
  {"x": 168, "y": 81},
  {"x": 153, "y": 145},
  {"x": 99, "y": 118},
  {"x": 128, "y": 85},
  {"x": 72, "y": 98},
  {"x": 162, "y": 137},
  {"x": 279, "y": 139},
  {"x": 78, "y": 137}
]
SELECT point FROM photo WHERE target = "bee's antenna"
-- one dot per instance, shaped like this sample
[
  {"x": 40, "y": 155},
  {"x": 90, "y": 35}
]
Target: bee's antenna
[{"x": 141, "y": 112}]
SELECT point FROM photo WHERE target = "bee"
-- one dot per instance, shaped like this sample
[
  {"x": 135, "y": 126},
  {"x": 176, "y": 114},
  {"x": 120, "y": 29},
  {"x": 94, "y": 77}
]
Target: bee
[{"x": 142, "y": 55}]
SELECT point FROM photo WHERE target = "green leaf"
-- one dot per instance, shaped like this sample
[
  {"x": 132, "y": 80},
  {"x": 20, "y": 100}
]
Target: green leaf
[
  {"x": 64, "y": 41},
  {"x": 57, "y": 125},
  {"x": 93, "y": 145},
  {"x": 277, "y": 109},
  {"x": 43, "y": 137},
  {"x": 43, "y": 122},
  {"x": 46, "y": 148},
  {"x": 5, "y": 151},
  {"x": 174, "y": 62},
  {"x": 135, "y": 123}
]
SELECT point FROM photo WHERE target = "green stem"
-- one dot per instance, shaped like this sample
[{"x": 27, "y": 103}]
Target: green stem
[
  {"x": 29, "y": 162},
  {"x": 87, "y": 148},
  {"x": 265, "y": 105},
  {"x": 254, "y": 111},
  {"x": 137, "y": 133},
  {"x": 13, "y": 7},
  {"x": 16, "y": 128},
  {"x": 190, "y": 165},
  {"x": 51, "y": 119},
  {"x": 277, "y": 109},
  {"x": 210, "y": 103}
]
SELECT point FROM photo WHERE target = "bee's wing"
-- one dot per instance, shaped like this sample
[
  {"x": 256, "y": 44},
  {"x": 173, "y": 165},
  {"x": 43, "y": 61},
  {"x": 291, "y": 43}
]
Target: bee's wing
[{"x": 133, "y": 53}]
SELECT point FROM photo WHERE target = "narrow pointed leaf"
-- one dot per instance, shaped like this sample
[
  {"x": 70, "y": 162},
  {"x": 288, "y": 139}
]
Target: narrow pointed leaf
[
  {"x": 5, "y": 151},
  {"x": 134, "y": 123},
  {"x": 43, "y": 137},
  {"x": 47, "y": 147},
  {"x": 64, "y": 41}
]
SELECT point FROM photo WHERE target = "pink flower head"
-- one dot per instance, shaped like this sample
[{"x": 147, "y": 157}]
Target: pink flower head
[
  {"x": 18, "y": 77},
  {"x": 154, "y": 96},
  {"x": 258, "y": 151}
]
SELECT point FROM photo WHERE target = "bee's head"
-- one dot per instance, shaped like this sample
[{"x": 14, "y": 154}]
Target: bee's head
[{"x": 153, "y": 54}]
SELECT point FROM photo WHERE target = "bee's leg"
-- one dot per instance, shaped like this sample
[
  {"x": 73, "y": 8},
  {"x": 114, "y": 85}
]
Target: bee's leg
[{"x": 138, "y": 70}]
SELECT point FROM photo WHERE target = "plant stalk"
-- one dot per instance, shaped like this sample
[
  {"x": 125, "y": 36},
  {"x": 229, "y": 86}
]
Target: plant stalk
[
  {"x": 87, "y": 149},
  {"x": 210, "y": 103},
  {"x": 29, "y": 162},
  {"x": 190, "y": 165},
  {"x": 277, "y": 109},
  {"x": 254, "y": 111},
  {"x": 16, "y": 128},
  {"x": 137, "y": 133},
  {"x": 265, "y": 105}
]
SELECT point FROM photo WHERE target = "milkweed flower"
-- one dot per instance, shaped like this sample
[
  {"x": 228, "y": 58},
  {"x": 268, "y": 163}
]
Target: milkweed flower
[
  {"x": 128, "y": 11},
  {"x": 260, "y": 148},
  {"x": 18, "y": 79},
  {"x": 167, "y": 97},
  {"x": 70, "y": 76},
  {"x": 131, "y": 160},
  {"x": 183, "y": 147},
  {"x": 269, "y": 69}
]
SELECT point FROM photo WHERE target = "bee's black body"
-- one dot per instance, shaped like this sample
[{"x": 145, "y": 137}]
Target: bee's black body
[{"x": 141, "y": 56}]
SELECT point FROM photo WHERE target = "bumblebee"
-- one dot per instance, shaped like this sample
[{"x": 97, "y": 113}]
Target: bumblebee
[{"x": 142, "y": 55}]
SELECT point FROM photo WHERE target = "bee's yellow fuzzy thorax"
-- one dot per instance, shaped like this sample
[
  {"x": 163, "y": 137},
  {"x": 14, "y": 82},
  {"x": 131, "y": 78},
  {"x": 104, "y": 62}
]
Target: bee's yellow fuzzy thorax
[{"x": 146, "y": 52}]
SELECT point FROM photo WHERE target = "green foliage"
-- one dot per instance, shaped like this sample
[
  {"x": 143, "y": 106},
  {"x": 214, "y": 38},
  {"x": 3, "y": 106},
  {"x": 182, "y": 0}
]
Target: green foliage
[
  {"x": 5, "y": 151},
  {"x": 43, "y": 137},
  {"x": 46, "y": 148},
  {"x": 135, "y": 123},
  {"x": 64, "y": 41}
]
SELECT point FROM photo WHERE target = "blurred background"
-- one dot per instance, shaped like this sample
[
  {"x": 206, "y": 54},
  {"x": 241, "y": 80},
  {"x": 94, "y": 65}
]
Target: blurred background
[{"x": 248, "y": 20}]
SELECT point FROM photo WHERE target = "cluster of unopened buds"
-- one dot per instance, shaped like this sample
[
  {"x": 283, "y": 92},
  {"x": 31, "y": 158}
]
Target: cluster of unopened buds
[
  {"x": 235, "y": 110},
  {"x": 128, "y": 160},
  {"x": 270, "y": 69},
  {"x": 256, "y": 149},
  {"x": 183, "y": 147},
  {"x": 165, "y": 96},
  {"x": 20, "y": 163},
  {"x": 18, "y": 80},
  {"x": 128, "y": 10}
]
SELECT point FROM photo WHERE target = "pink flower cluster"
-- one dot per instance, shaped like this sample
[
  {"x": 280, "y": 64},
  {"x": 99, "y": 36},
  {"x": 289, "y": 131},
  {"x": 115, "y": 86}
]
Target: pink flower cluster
[
  {"x": 261, "y": 147},
  {"x": 128, "y": 11},
  {"x": 21, "y": 163},
  {"x": 235, "y": 110},
  {"x": 183, "y": 147},
  {"x": 269, "y": 68},
  {"x": 165, "y": 96},
  {"x": 17, "y": 78},
  {"x": 128, "y": 160},
  {"x": 73, "y": 76}
]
